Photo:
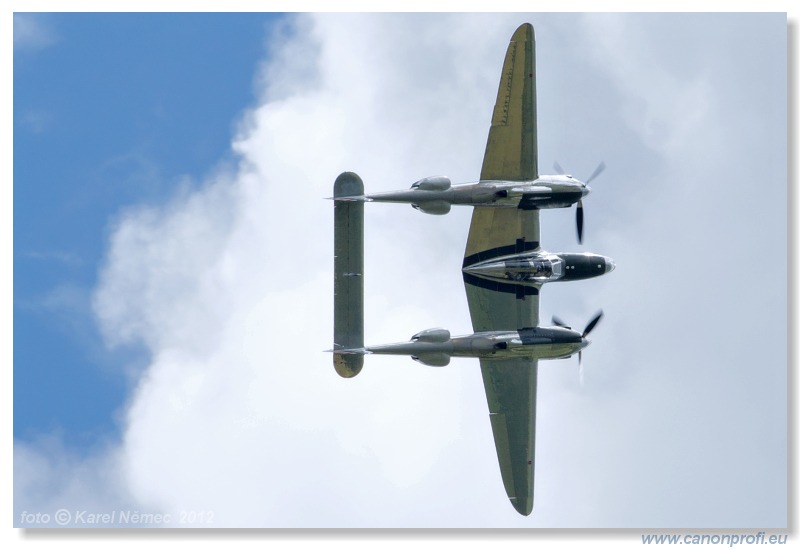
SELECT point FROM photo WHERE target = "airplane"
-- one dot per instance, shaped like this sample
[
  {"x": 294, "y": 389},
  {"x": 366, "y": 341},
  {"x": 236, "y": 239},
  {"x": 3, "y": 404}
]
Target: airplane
[{"x": 504, "y": 269}]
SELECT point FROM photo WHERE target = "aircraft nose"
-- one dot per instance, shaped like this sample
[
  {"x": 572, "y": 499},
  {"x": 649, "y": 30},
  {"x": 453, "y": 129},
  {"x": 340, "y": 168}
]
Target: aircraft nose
[
  {"x": 610, "y": 265},
  {"x": 586, "y": 190}
]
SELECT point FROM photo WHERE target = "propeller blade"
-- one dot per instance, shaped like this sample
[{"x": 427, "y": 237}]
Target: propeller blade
[
  {"x": 597, "y": 172},
  {"x": 559, "y": 322},
  {"x": 592, "y": 324},
  {"x": 557, "y": 168},
  {"x": 579, "y": 221},
  {"x": 580, "y": 366}
]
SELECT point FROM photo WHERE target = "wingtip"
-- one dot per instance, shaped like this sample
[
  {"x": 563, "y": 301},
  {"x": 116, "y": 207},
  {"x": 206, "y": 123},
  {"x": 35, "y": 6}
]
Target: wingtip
[
  {"x": 523, "y": 32},
  {"x": 523, "y": 506}
]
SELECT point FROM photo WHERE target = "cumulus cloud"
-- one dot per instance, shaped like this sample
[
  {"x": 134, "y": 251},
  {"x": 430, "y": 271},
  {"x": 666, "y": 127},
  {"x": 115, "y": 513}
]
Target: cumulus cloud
[
  {"x": 229, "y": 286},
  {"x": 53, "y": 482}
]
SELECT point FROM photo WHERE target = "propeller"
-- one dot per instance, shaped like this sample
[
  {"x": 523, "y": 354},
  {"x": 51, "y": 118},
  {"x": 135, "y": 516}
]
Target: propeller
[
  {"x": 579, "y": 210},
  {"x": 597, "y": 172},
  {"x": 560, "y": 323},
  {"x": 589, "y": 328},
  {"x": 593, "y": 323}
]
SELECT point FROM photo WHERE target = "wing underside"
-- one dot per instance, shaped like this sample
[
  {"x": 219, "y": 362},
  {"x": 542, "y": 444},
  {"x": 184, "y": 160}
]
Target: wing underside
[
  {"x": 511, "y": 150},
  {"x": 510, "y": 384}
]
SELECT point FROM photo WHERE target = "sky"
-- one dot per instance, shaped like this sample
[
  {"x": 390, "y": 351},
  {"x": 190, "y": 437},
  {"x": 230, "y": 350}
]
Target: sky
[
  {"x": 170, "y": 122},
  {"x": 173, "y": 269}
]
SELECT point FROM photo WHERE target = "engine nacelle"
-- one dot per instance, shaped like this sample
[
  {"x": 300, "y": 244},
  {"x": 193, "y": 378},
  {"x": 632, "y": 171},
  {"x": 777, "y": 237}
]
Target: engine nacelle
[
  {"x": 432, "y": 359},
  {"x": 432, "y": 183},
  {"x": 437, "y": 208},
  {"x": 436, "y": 335}
]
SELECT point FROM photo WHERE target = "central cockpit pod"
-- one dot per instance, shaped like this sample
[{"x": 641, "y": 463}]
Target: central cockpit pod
[
  {"x": 539, "y": 269},
  {"x": 528, "y": 268}
]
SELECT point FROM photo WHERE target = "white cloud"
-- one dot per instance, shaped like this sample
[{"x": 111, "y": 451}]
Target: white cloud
[
  {"x": 49, "y": 477},
  {"x": 229, "y": 286}
]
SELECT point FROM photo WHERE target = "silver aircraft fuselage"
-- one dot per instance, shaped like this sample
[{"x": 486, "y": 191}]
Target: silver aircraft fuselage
[
  {"x": 435, "y": 347},
  {"x": 435, "y": 195},
  {"x": 540, "y": 267}
]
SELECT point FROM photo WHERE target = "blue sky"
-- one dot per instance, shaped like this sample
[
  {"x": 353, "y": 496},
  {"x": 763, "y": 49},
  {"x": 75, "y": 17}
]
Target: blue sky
[
  {"x": 168, "y": 347},
  {"x": 109, "y": 110}
]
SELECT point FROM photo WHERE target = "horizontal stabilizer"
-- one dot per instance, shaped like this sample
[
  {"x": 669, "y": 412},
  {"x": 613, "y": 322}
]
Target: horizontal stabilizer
[
  {"x": 354, "y": 198},
  {"x": 348, "y": 275},
  {"x": 349, "y": 351}
]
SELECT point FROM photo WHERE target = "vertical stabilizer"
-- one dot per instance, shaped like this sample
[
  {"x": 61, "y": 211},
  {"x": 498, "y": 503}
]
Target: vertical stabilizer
[{"x": 348, "y": 275}]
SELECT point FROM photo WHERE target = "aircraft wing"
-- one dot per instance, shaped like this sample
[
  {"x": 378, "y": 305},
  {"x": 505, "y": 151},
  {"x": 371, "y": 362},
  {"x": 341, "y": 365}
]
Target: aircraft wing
[
  {"x": 511, "y": 148},
  {"x": 510, "y": 155},
  {"x": 510, "y": 384},
  {"x": 511, "y": 392}
]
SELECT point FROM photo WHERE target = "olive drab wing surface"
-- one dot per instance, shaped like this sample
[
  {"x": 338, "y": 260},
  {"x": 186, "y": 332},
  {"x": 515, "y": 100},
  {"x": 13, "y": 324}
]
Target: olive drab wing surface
[
  {"x": 511, "y": 147},
  {"x": 510, "y": 384}
]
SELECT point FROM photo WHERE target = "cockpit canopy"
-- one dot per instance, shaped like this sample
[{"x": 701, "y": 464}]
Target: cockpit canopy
[{"x": 537, "y": 269}]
